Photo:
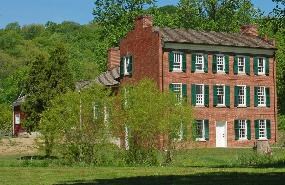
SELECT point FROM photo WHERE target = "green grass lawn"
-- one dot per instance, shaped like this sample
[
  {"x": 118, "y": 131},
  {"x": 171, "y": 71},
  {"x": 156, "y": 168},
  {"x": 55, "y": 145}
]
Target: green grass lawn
[{"x": 197, "y": 167}]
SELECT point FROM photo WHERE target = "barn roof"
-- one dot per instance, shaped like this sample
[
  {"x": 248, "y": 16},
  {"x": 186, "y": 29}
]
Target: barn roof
[{"x": 213, "y": 38}]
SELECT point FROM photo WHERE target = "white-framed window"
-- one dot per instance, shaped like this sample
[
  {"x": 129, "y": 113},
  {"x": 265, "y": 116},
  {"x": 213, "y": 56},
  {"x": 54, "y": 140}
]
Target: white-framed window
[
  {"x": 241, "y": 64},
  {"x": 17, "y": 119},
  {"x": 242, "y": 96},
  {"x": 221, "y": 95},
  {"x": 220, "y": 63},
  {"x": 261, "y": 66},
  {"x": 261, "y": 96},
  {"x": 177, "y": 62},
  {"x": 200, "y": 130},
  {"x": 262, "y": 129},
  {"x": 126, "y": 65},
  {"x": 199, "y": 64},
  {"x": 177, "y": 89},
  {"x": 200, "y": 94},
  {"x": 242, "y": 129}
]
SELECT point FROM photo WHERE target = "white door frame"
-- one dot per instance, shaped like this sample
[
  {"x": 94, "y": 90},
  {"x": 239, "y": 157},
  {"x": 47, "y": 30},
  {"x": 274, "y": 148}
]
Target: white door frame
[{"x": 225, "y": 135}]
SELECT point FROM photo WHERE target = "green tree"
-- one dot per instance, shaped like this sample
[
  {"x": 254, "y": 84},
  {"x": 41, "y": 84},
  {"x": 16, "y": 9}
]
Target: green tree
[
  {"x": 6, "y": 118},
  {"x": 76, "y": 123},
  {"x": 48, "y": 77},
  {"x": 148, "y": 114},
  {"x": 216, "y": 15},
  {"x": 116, "y": 16}
]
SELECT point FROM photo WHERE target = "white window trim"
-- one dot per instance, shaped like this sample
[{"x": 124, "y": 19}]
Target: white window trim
[
  {"x": 245, "y": 90},
  {"x": 181, "y": 61},
  {"x": 224, "y": 65},
  {"x": 203, "y": 100},
  {"x": 126, "y": 60},
  {"x": 203, "y": 63},
  {"x": 244, "y": 60},
  {"x": 262, "y": 105},
  {"x": 245, "y": 137},
  {"x": 181, "y": 95},
  {"x": 265, "y": 130},
  {"x": 203, "y": 138},
  {"x": 224, "y": 98},
  {"x": 261, "y": 73}
]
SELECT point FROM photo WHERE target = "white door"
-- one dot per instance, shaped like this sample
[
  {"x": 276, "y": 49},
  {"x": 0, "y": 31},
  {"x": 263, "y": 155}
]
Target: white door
[{"x": 221, "y": 134}]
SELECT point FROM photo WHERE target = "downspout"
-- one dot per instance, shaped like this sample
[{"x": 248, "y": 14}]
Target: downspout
[{"x": 275, "y": 97}]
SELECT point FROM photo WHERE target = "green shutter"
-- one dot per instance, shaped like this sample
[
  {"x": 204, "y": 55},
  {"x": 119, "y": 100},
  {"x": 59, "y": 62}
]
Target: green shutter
[
  {"x": 206, "y": 63},
  {"x": 268, "y": 129},
  {"x": 236, "y": 127},
  {"x": 215, "y": 96},
  {"x": 256, "y": 127},
  {"x": 236, "y": 95},
  {"x": 255, "y": 65},
  {"x": 122, "y": 67},
  {"x": 248, "y": 130},
  {"x": 171, "y": 87},
  {"x": 184, "y": 92},
  {"x": 183, "y": 62},
  {"x": 214, "y": 64},
  {"x": 267, "y": 66},
  {"x": 247, "y": 65},
  {"x": 267, "y": 93},
  {"x": 236, "y": 65},
  {"x": 206, "y": 95},
  {"x": 206, "y": 124},
  {"x": 228, "y": 96},
  {"x": 193, "y": 63},
  {"x": 248, "y": 96},
  {"x": 194, "y": 130},
  {"x": 130, "y": 66},
  {"x": 227, "y": 64},
  {"x": 171, "y": 60},
  {"x": 193, "y": 94},
  {"x": 255, "y": 96}
]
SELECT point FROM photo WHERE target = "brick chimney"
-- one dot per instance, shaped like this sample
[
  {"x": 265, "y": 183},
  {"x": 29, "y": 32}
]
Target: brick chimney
[
  {"x": 113, "y": 58},
  {"x": 250, "y": 30},
  {"x": 144, "y": 21}
]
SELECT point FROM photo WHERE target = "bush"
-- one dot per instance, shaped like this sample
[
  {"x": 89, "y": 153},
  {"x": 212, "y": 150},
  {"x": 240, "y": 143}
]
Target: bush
[{"x": 6, "y": 119}]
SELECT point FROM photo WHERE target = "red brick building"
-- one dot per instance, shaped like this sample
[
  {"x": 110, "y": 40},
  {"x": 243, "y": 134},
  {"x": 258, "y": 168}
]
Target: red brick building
[{"x": 228, "y": 78}]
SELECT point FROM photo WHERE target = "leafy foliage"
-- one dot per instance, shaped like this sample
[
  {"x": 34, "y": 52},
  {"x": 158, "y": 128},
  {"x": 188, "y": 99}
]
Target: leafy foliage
[
  {"x": 6, "y": 118},
  {"x": 149, "y": 114},
  {"x": 47, "y": 78}
]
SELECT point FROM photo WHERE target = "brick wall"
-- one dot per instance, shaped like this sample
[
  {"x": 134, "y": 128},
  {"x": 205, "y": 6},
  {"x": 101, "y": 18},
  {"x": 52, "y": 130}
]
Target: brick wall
[
  {"x": 113, "y": 58},
  {"x": 214, "y": 114},
  {"x": 145, "y": 46}
]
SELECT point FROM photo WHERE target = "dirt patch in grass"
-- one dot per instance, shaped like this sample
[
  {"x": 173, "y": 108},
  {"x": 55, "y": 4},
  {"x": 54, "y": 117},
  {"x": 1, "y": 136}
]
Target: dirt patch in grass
[{"x": 16, "y": 146}]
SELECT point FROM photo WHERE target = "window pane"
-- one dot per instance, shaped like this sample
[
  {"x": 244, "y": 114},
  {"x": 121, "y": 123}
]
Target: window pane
[
  {"x": 220, "y": 63},
  {"x": 241, "y": 64},
  {"x": 177, "y": 63},
  {"x": 220, "y": 94},
  {"x": 262, "y": 129},
  {"x": 177, "y": 89},
  {"x": 200, "y": 129},
  {"x": 261, "y": 65},
  {"x": 199, "y": 62},
  {"x": 199, "y": 94},
  {"x": 242, "y": 129},
  {"x": 261, "y": 95},
  {"x": 241, "y": 95}
]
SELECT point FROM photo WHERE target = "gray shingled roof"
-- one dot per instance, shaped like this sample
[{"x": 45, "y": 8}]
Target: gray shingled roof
[
  {"x": 213, "y": 38},
  {"x": 108, "y": 78}
]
